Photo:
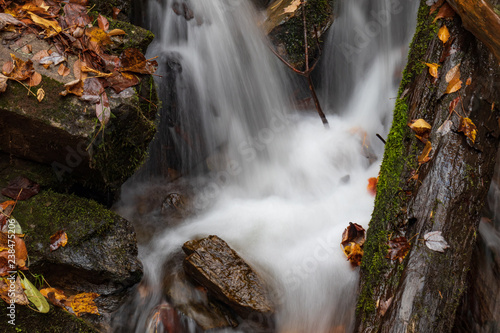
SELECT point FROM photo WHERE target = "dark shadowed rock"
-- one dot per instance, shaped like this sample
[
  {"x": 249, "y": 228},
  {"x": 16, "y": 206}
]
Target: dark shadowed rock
[{"x": 212, "y": 263}]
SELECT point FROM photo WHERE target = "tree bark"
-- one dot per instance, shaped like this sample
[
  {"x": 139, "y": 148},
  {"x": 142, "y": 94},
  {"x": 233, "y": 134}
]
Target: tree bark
[{"x": 422, "y": 293}]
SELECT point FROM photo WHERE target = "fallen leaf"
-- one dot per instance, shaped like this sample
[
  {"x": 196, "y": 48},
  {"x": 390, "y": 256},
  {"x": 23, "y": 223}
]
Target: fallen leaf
[
  {"x": 116, "y": 32},
  {"x": 40, "y": 55},
  {"x": 133, "y": 60},
  {"x": 58, "y": 294},
  {"x": 3, "y": 82},
  {"x": 63, "y": 70},
  {"x": 7, "y": 293},
  {"x": 116, "y": 11},
  {"x": 19, "y": 248},
  {"x": 77, "y": 70},
  {"x": 58, "y": 239},
  {"x": 21, "y": 188},
  {"x": 103, "y": 22},
  {"x": 7, "y": 19},
  {"x": 445, "y": 127},
  {"x": 453, "y": 104},
  {"x": 103, "y": 110},
  {"x": 92, "y": 90},
  {"x": 445, "y": 12},
  {"x": 398, "y": 248},
  {"x": 21, "y": 70},
  {"x": 98, "y": 36},
  {"x": 453, "y": 79},
  {"x": 52, "y": 28},
  {"x": 353, "y": 233},
  {"x": 468, "y": 128},
  {"x": 121, "y": 81},
  {"x": 433, "y": 69},
  {"x": 74, "y": 87},
  {"x": 354, "y": 253},
  {"x": 55, "y": 58},
  {"x": 13, "y": 224},
  {"x": 86, "y": 69},
  {"x": 384, "y": 305},
  {"x": 435, "y": 6},
  {"x": 444, "y": 34},
  {"x": 435, "y": 241},
  {"x": 26, "y": 49},
  {"x": 372, "y": 185},
  {"x": 424, "y": 157},
  {"x": 84, "y": 303},
  {"x": 421, "y": 128},
  {"x": 34, "y": 296},
  {"x": 293, "y": 6},
  {"x": 468, "y": 82},
  {"x": 40, "y": 94},
  {"x": 35, "y": 79}
]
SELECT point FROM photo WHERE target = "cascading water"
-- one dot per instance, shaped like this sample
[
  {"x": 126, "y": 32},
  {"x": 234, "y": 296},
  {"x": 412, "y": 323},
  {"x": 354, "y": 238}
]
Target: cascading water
[{"x": 281, "y": 188}]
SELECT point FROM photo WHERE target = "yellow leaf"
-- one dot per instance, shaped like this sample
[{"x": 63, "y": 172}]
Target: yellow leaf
[
  {"x": 444, "y": 34},
  {"x": 468, "y": 128},
  {"x": 424, "y": 157},
  {"x": 84, "y": 303},
  {"x": 98, "y": 36},
  {"x": 116, "y": 32},
  {"x": 420, "y": 126},
  {"x": 58, "y": 294},
  {"x": 453, "y": 79},
  {"x": 433, "y": 69},
  {"x": 51, "y": 27},
  {"x": 40, "y": 94}
]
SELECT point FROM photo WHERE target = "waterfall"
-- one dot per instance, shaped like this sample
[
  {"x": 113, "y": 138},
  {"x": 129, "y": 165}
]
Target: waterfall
[{"x": 269, "y": 180}]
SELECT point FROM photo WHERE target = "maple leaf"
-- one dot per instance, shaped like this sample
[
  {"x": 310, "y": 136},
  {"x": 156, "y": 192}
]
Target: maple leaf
[
  {"x": 468, "y": 128},
  {"x": 435, "y": 241},
  {"x": 433, "y": 69},
  {"x": 398, "y": 248},
  {"x": 444, "y": 34},
  {"x": 58, "y": 239}
]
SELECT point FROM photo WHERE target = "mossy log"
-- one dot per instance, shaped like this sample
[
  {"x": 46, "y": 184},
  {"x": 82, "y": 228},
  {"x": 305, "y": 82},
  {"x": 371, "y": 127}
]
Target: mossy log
[{"x": 421, "y": 294}]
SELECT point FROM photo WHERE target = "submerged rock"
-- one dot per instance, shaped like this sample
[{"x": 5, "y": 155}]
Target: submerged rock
[{"x": 212, "y": 263}]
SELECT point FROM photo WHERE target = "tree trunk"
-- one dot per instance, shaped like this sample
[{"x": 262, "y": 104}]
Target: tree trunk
[{"x": 422, "y": 293}]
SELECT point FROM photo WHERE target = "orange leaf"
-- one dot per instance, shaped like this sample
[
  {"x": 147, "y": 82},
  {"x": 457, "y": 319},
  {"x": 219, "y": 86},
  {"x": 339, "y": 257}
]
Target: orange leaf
[
  {"x": 468, "y": 128},
  {"x": 103, "y": 22},
  {"x": 35, "y": 79},
  {"x": 444, "y": 34},
  {"x": 74, "y": 87},
  {"x": 52, "y": 28},
  {"x": 453, "y": 79},
  {"x": 468, "y": 82},
  {"x": 63, "y": 70},
  {"x": 420, "y": 127},
  {"x": 424, "y": 157},
  {"x": 84, "y": 303},
  {"x": 58, "y": 239},
  {"x": 116, "y": 32},
  {"x": 433, "y": 69},
  {"x": 354, "y": 253},
  {"x": 372, "y": 185}
]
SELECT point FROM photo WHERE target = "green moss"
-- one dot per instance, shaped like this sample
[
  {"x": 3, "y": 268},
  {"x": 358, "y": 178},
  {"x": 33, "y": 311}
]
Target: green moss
[
  {"x": 136, "y": 37},
  {"x": 291, "y": 33},
  {"x": 390, "y": 198}
]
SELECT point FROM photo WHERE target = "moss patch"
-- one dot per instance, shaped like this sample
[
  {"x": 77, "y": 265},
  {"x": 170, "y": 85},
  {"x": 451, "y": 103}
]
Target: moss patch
[{"x": 390, "y": 195}]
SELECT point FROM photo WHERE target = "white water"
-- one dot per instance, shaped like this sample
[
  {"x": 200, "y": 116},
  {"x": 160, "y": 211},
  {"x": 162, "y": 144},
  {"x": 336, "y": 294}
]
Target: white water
[{"x": 280, "y": 196}]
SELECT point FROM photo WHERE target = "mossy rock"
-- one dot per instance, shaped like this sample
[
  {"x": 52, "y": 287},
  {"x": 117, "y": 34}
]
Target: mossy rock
[
  {"x": 105, "y": 7},
  {"x": 65, "y": 133},
  {"x": 285, "y": 27}
]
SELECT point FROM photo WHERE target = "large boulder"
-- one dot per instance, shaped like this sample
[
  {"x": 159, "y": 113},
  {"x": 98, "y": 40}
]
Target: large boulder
[
  {"x": 213, "y": 264},
  {"x": 285, "y": 27},
  {"x": 101, "y": 253},
  {"x": 63, "y": 131}
]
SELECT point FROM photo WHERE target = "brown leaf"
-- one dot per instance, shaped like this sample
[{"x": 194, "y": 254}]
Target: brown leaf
[
  {"x": 468, "y": 128},
  {"x": 103, "y": 22},
  {"x": 468, "y": 82},
  {"x": 40, "y": 55},
  {"x": 52, "y": 28},
  {"x": 424, "y": 157},
  {"x": 372, "y": 185},
  {"x": 75, "y": 15},
  {"x": 58, "y": 239},
  {"x": 7, "y": 19},
  {"x": 116, "y": 11},
  {"x": 354, "y": 253},
  {"x": 92, "y": 90},
  {"x": 21, "y": 188},
  {"x": 13, "y": 291},
  {"x": 77, "y": 70},
  {"x": 84, "y": 303},
  {"x": 398, "y": 248},
  {"x": 103, "y": 110},
  {"x": 26, "y": 49},
  {"x": 435, "y": 6},
  {"x": 8, "y": 67},
  {"x": 384, "y": 305},
  {"x": 74, "y": 87},
  {"x": 433, "y": 69},
  {"x": 63, "y": 70},
  {"x": 353, "y": 233},
  {"x": 120, "y": 82},
  {"x": 22, "y": 69},
  {"x": 132, "y": 60},
  {"x": 9, "y": 241},
  {"x": 454, "y": 103},
  {"x": 453, "y": 79},
  {"x": 40, "y": 94},
  {"x": 35, "y": 79},
  {"x": 3, "y": 82},
  {"x": 443, "y": 34},
  {"x": 445, "y": 12},
  {"x": 116, "y": 32}
]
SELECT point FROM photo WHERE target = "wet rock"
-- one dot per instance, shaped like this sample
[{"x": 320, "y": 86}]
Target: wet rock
[
  {"x": 212, "y": 263},
  {"x": 62, "y": 131},
  {"x": 101, "y": 253},
  {"x": 285, "y": 27}
]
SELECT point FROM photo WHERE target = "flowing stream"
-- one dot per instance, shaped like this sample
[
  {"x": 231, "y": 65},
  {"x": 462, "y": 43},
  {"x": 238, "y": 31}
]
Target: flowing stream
[{"x": 281, "y": 188}]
